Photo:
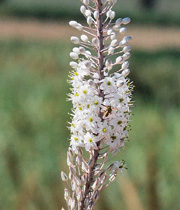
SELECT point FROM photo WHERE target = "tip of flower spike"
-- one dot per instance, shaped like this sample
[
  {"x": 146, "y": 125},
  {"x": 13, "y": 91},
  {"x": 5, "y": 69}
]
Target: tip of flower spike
[
  {"x": 73, "y": 23},
  {"x": 126, "y": 20}
]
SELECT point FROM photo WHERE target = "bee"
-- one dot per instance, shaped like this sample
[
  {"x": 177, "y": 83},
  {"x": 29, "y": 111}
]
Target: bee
[{"x": 107, "y": 111}]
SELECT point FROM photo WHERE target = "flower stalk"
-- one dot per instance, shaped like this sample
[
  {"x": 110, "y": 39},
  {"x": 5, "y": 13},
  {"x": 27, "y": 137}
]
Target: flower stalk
[{"x": 101, "y": 97}]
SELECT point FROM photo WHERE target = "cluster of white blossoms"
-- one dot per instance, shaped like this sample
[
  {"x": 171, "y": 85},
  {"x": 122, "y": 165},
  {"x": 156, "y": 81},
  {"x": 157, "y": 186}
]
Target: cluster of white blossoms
[
  {"x": 89, "y": 127},
  {"x": 100, "y": 94}
]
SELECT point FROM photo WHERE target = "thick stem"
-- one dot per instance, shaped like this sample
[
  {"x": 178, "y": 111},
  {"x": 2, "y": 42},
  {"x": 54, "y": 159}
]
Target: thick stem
[{"x": 101, "y": 94}]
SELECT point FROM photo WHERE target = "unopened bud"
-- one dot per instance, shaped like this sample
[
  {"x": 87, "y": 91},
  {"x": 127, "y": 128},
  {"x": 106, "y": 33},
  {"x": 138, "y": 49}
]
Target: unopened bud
[
  {"x": 118, "y": 21},
  {"x": 73, "y": 64},
  {"x": 95, "y": 41},
  {"x": 113, "y": 36},
  {"x": 88, "y": 13},
  {"x": 76, "y": 50},
  {"x": 82, "y": 50},
  {"x": 110, "y": 14},
  {"x": 126, "y": 49},
  {"x": 79, "y": 27},
  {"x": 119, "y": 60},
  {"x": 111, "y": 50},
  {"x": 126, "y": 72},
  {"x": 74, "y": 55},
  {"x": 73, "y": 23},
  {"x": 96, "y": 15},
  {"x": 116, "y": 28},
  {"x": 126, "y": 20},
  {"x": 86, "y": 2},
  {"x": 109, "y": 32},
  {"x": 64, "y": 177},
  {"x": 122, "y": 30},
  {"x": 108, "y": 63},
  {"x": 126, "y": 55},
  {"x": 84, "y": 38},
  {"x": 88, "y": 64},
  {"x": 75, "y": 40},
  {"x": 127, "y": 38},
  {"x": 89, "y": 20},
  {"x": 83, "y": 9},
  {"x": 114, "y": 42},
  {"x": 122, "y": 43},
  {"x": 125, "y": 65}
]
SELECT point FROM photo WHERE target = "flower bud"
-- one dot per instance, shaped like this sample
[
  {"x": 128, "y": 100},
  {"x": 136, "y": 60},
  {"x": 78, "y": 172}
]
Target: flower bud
[
  {"x": 84, "y": 38},
  {"x": 82, "y": 50},
  {"x": 126, "y": 72},
  {"x": 125, "y": 65},
  {"x": 95, "y": 41},
  {"x": 110, "y": 14},
  {"x": 126, "y": 55},
  {"x": 122, "y": 43},
  {"x": 127, "y": 38},
  {"x": 73, "y": 23},
  {"x": 113, "y": 36},
  {"x": 73, "y": 64},
  {"x": 119, "y": 60},
  {"x": 88, "y": 13},
  {"x": 88, "y": 64},
  {"x": 88, "y": 53},
  {"x": 126, "y": 20},
  {"x": 89, "y": 20},
  {"x": 126, "y": 49},
  {"x": 111, "y": 50},
  {"x": 76, "y": 50},
  {"x": 75, "y": 40},
  {"x": 79, "y": 27},
  {"x": 108, "y": 63},
  {"x": 64, "y": 177},
  {"x": 109, "y": 32},
  {"x": 66, "y": 194},
  {"x": 114, "y": 42},
  {"x": 74, "y": 55},
  {"x": 122, "y": 30},
  {"x": 116, "y": 28},
  {"x": 83, "y": 9},
  {"x": 118, "y": 22},
  {"x": 86, "y": 2},
  {"x": 96, "y": 15}
]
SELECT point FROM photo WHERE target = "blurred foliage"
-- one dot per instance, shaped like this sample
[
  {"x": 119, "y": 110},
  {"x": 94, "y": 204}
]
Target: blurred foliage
[
  {"x": 34, "y": 138},
  {"x": 157, "y": 78},
  {"x": 164, "y": 13}
]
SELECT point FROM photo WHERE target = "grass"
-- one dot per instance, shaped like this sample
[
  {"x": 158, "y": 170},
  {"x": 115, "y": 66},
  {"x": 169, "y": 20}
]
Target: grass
[
  {"x": 60, "y": 9},
  {"x": 34, "y": 138}
]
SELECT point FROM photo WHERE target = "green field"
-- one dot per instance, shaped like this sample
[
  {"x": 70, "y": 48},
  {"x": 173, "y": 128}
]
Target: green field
[
  {"x": 165, "y": 12},
  {"x": 34, "y": 138}
]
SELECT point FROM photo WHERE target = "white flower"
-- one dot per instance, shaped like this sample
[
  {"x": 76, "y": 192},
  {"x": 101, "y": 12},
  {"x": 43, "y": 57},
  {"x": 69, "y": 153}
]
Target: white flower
[
  {"x": 90, "y": 141},
  {"x": 107, "y": 85},
  {"x": 75, "y": 142}
]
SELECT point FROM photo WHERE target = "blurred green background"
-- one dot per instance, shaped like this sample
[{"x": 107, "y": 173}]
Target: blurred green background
[{"x": 34, "y": 57}]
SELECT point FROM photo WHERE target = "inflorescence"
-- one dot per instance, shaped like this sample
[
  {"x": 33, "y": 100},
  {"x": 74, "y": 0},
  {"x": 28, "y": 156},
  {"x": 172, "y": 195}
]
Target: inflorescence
[{"x": 101, "y": 98}]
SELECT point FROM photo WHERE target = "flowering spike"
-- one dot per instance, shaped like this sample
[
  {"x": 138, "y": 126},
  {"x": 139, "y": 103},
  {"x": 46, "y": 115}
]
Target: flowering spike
[{"x": 101, "y": 98}]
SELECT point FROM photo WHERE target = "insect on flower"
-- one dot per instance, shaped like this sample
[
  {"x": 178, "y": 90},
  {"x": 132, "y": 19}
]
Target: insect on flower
[{"x": 108, "y": 111}]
